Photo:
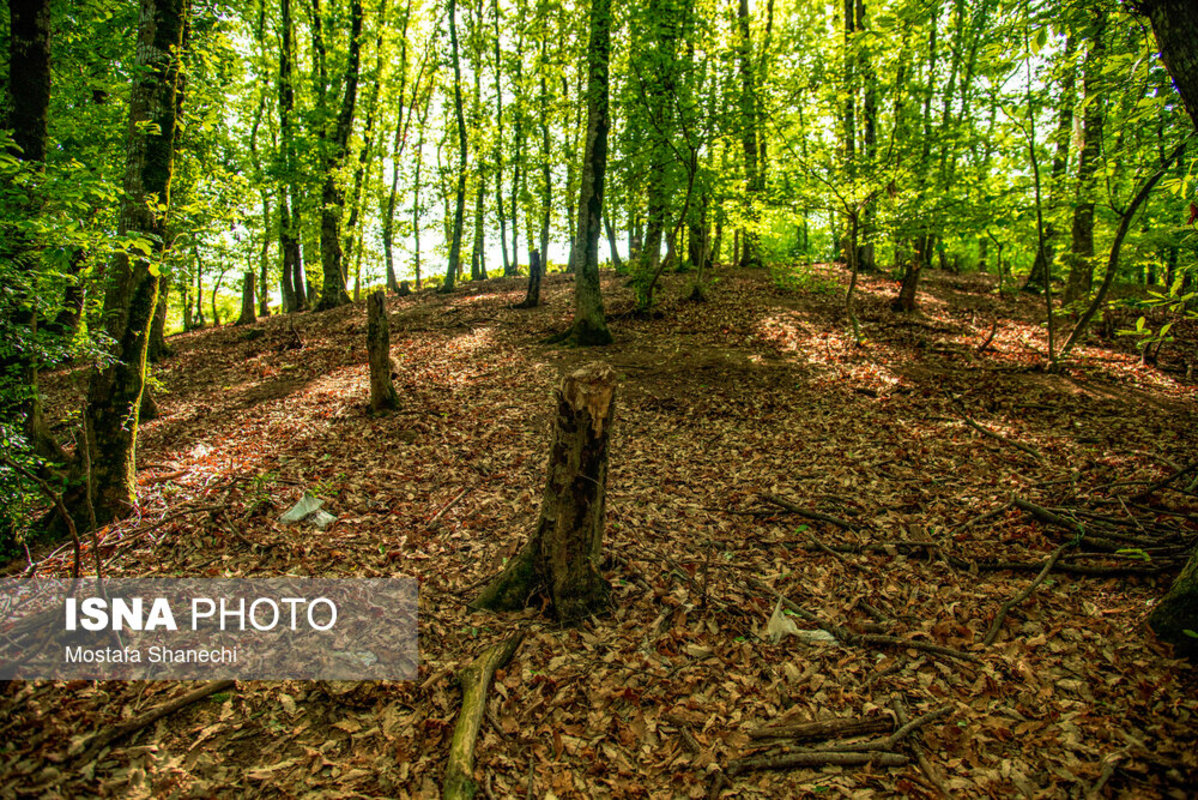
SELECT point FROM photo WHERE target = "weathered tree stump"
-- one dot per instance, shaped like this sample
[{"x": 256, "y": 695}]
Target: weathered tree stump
[
  {"x": 404, "y": 289},
  {"x": 1177, "y": 612},
  {"x": 561, "y": 558},
  {"x": 378, "y": 345},
  {"x": 532, "y": 298}
]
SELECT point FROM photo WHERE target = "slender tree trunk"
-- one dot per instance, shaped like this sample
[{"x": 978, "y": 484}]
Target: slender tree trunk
[
  {"x": 1060, "y": 162},
  {"x": 158, "y": 348},
  {"x": 1081, "y": 256},
  {"x": 115, "y": 392},
  {"x": 294, "y": 297},
  {"x": 561, "y": 558},
  {"x": 750, "y": 255},
  {"x": 455, "y": 236},
  {"x": 590, "y": 324}
]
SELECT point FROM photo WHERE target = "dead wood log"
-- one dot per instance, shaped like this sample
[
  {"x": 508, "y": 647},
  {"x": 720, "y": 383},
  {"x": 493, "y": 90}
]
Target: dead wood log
[
  {"x": 378, "y": 346},
  {"x": 475, "y": 679},
  {"x": 562, "y": 556},
  {"x": 900, "y": 712},
  {"x": 1006, "y": 607},
  {"x": 107, "y": 737}
]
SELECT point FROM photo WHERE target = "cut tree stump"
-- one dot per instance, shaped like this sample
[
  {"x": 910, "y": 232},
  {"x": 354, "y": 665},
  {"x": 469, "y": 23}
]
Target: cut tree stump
[
  {"x": 475, "y": 680},
  {"x": 1177, "y": 612},
  {"x": 378, "y": 345},
  {"x": 561, "y": 558}
]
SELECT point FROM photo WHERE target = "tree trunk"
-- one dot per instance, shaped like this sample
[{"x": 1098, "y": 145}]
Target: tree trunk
[
  {"x": 332, "y": 196},
  {"x": 749, "y": 251},
  {"x": 590, "y": 324},
  {"x": 611, "y": 242},
  {"x": 1175, "y": 23},
  {"x": 1177, "y": 612},
  {"x": 533, "y": 298},
  {"x": 378, "y": 346},
  {"x": 158, "y": 348},
  {"x": 115, "y": 392},
  {"x": 561, "y": 559},
  {"x": 1081, "y": 256},
  {"x": 247, "y": 300},
  {"x": 455, "y": 236},
  {"x": 906, "y": 300},
  {"x": 29, "y": 76}
]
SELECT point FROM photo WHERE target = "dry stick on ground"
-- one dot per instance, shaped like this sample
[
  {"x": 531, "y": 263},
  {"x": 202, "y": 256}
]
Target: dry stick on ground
[
  {"x": 1052, "y": 518},
  {"x": 1031, "y": 451},
  {"x": 1163, "y": 482},
  {"x": 432, "y": 523},
  {"x": 980, "y": 518},
  {"x": 849, "y": 637},
  {"x": 999, "y": 618},
  {"x": 817, "y": 758},
  {"x": 984, "y": 346},
  {"x": 782, "y": 502},
  {"x": 900, "y": 712},
  {"x": 475, "y": 679},
  {"x": 105, "y": 738},
  {"x": 822, "y": 729}
]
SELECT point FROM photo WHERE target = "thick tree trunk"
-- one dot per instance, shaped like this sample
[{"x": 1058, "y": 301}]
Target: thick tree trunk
[
  {"x": 378, "y": 347},
  {"x": 115, "y": 392},
  {"x": 561, "y": 559},
  {"x": 908, "y": 291},
  {"x": 533, "y": 298},
  {"x": 29, "y": 76},
  {"x": 1177, "y": 612},
  {"x": 590, "y": 324},
  {"x": 247, "y": 316},
  {"x": 1175, "y": 23},
  {"x": 332, "y": 196}
]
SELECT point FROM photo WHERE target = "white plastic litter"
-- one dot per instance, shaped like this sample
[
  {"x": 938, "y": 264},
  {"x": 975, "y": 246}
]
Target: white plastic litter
[{"x": 308, "y": 510}]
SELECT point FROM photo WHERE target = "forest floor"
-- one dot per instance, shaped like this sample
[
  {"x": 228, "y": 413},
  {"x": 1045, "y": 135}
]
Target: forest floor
[{"x": 758, "y": 391}]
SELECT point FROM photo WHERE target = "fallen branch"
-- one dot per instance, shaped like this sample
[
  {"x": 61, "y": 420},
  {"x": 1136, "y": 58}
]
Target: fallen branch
[
  {"x": 901, "y": 713},
  {"x": 817, "y": 758},
  {"x": 1163, "y": 482},
  {"x": 822, "y": 729},
  {"x": 1006, "y": 607},
  {"x": 1031, "y": 451},
  {"x": 432, "y": 523},
  {"x": 891, "y": 741},
  {"x": 105, "y": 738},
  {"x": 980, "y": 518},
  {"x": 475, "y": 679},
  {"x": 782, "y": 502},
  {"x": 984, "y": 346}
]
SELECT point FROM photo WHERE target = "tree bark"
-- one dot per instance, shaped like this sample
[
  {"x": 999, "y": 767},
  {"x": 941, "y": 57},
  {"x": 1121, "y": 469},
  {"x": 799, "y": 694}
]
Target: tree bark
[
  {"x": 561, "y": 559},
  {"x": 459, "y": 214},
  {"x": 378, "y": 347},
  {"x": 115, "y": 392},
  {"x": 533, "y": 297},
  {"x": 1081, "y": 256},
  {"x": 29, "y": 76},
  {"x": 749, "y": 251},
  {"x": 590, "y": 324},
  {"x": 1177, "y": 612},
  {"x": 1175, "y": 23},
  {"x": 294, "y": 297},
  {"x": 247, "y": 316},
  {"x": 332, "y": 195},
  {"x": 158, "y": 349}
]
